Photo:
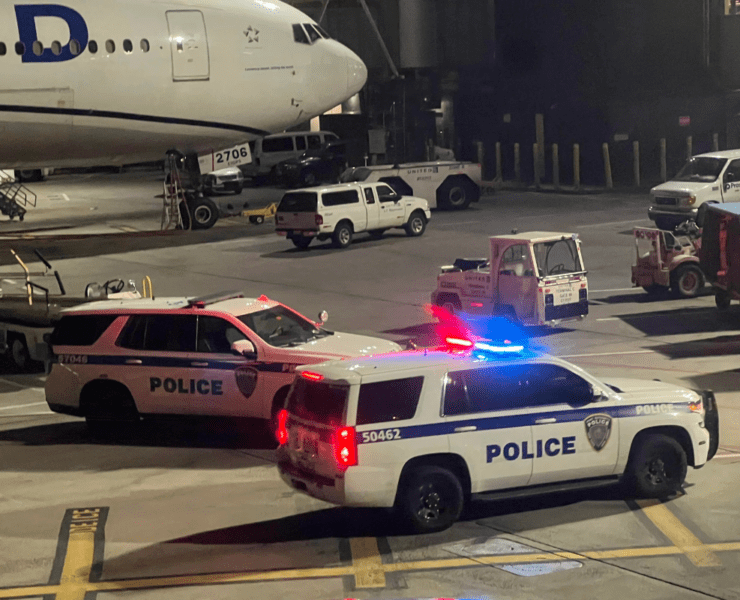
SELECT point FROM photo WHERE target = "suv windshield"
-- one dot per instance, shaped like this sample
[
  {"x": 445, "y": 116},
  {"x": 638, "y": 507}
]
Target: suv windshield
[
  {"x": 279, "y": 326},
  {"x": 702, "y": 168},
  {"x": 298, "y": 202},
  {"x": 318, "y": 402},
  {"x": 557, "y": 257}
]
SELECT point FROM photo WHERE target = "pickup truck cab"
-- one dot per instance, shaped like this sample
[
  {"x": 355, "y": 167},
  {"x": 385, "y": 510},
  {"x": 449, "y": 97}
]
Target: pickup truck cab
[
  {"x": 535, "y": 278},
  {"x": 712, "y": 178},
  {"x": 339, "y": 211}
]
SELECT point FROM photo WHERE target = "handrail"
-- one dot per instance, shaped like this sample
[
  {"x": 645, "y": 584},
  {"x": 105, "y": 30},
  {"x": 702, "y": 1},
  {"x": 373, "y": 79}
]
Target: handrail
[{"x": 147, "y": 288}]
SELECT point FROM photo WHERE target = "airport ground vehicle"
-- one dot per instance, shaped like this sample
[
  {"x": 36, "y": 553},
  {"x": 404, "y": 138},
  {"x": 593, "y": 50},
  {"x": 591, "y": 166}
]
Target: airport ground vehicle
[
  {"x": 535, "y": 278},
  {"x": 325, "y": 163},
  {"x": 720, "y": 252},
  {"x": 668, "y": 260},
  {"x": 270, "y": 150},
  {"x": 229, "y": 179},
  {"x": 712, "y": 178},
  {"x": 223, "y": 355},
  {"x": 450, "y": 185},
  {"x": 339, "y": 211},
  {"x": 423, "y": 431}
]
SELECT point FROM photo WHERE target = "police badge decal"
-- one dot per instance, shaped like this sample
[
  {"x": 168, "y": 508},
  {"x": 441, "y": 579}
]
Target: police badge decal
[{"x": 598, "y": 430}]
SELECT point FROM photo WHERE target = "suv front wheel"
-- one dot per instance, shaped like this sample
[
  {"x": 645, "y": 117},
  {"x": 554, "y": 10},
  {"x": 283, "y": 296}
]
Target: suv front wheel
[
  {"x": 657, "y": 467},
  {"x": 430, "y": 499}
]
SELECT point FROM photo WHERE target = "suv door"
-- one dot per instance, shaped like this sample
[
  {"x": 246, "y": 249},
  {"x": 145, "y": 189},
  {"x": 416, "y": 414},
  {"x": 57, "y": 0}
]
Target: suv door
[
  {"x": 392, "y": 209},
  {"x": 575, "y": 435},
  {"x": 158, "y": 368},
  {"x": 489, "y": 426},
  {"x": 371, "y": 206},
  {"x": 517, "y": 283}
]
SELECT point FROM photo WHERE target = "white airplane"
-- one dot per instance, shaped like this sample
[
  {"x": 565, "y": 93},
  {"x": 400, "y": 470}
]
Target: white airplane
[{"x": 91, "y": 82}]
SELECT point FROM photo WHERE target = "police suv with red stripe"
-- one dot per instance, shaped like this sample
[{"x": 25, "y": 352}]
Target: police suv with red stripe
[
  {"x": 222, "y": 355},
  {"x": 422, "y": 431}
]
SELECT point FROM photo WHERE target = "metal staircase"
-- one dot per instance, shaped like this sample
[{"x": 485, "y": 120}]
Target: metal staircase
[
  {"x": 15, "y": 198},
  {"x": 174, "y": 196}
]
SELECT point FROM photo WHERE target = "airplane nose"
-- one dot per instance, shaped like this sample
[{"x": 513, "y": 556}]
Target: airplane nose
[{"x": 356, "y": 73}]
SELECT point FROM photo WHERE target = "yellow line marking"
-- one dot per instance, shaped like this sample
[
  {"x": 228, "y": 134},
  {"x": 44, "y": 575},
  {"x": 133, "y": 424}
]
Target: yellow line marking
[
  {"x": 679, "y": 534},
  {"x": 367, "y": 562},
  {"x": 79, "y": 558},
  {"x": 120, "y": 585}
]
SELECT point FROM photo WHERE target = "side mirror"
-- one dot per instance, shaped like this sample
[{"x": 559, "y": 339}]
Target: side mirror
[
  {"x": 323, "y": 316},
  {"x": 244, "y": 348}
]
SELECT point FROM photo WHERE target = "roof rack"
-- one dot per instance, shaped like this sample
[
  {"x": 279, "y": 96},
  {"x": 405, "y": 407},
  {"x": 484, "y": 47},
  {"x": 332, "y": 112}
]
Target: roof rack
[{"x": 202, "y": 301}]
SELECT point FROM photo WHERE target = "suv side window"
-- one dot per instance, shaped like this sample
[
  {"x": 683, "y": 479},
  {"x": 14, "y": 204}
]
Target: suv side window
[
  {"x": 483, "y": 390},
  {"x": 339, "y": 198},
  {"x": 385, "y": 401},
  {"x": 80, "y": 330},
  {"x": 369, "y": 196},
  {"x": 385, "y": 193},
  {"x": 216, "y": 335},
  {"x": 314, "y": 141},
  {"x": 300, "y": 142},
  {"x": 552, "y": 384},
  {"x": 159, "y": 333},
  {"x": 280, "y": 144}
]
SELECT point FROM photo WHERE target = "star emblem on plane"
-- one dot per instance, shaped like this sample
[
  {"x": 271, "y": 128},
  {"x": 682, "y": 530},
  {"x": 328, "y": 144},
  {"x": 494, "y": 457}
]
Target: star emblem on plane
[{"x": 252, "y": 34}]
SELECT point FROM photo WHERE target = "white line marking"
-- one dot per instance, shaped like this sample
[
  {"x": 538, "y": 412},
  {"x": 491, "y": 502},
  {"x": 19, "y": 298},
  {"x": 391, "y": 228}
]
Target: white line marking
[
  {"x": 615, "y": 290},
  {"x": 610, "y": 319},
  {"x": 20, "y": 385},
  {"x": 22, "y": 405},
  {"x": 36, "y": 414},
  {"x": 613, "y": 223},
  {"x": 727, "y": 456},
  {"x": 608, "y": 353},
  {"x": 456, "y": 223}
]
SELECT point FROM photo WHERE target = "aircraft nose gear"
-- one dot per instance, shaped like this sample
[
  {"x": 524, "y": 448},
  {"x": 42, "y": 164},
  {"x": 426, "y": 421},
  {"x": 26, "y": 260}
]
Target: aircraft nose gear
[{"x": 185, "y": 208}]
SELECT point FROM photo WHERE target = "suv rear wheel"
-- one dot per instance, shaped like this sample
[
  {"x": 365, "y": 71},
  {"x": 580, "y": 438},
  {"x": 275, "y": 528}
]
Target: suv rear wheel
[
  {"x": 657, "y": 467},
  {"x": 430, "y": 499},
  {"x": 342, "y": 235},
  {"x": 104, "y": 404}
]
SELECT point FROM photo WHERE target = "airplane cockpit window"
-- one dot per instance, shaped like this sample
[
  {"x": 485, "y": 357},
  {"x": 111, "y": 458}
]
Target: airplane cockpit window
[
  {"x": 74, "y": 47},
  {"x": 144, "y": 45},
  {"x": 312, "y": 32},
  {"x": 56, "y": 47},
  {"x": 299, "y": 35},
  {"x": 20, "y": 48},
  {"x": 322, "y": 31},
  {"x": 3, "y": 49},
  {"x": 128, "y": 47},
  {"x": 92, "y": 46},
  {"x": 110, "y": 46}
]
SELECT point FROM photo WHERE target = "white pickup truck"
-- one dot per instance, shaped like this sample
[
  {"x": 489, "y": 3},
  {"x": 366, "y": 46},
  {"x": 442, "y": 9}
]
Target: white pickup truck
[
  {"x": 339, "y": 211},
  {"x": 446, "y": 184},
  {"x": 712, "y": 178}
]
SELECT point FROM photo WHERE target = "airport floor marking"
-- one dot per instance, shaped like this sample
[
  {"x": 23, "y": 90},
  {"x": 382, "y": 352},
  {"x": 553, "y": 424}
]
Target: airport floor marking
[
  {"x": 77, "y": 569},
  {"x": 670, "y": 526}
]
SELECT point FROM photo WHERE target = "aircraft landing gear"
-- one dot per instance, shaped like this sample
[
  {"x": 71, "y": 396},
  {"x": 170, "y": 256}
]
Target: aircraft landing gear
[{"x": 185, "y": 204}]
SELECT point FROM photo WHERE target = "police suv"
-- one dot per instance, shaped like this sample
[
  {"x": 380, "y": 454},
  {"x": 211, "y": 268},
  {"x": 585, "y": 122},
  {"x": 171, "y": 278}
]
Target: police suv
[
  {"x": 423, "y": 431},
  {"x": 117, "y": 360}
]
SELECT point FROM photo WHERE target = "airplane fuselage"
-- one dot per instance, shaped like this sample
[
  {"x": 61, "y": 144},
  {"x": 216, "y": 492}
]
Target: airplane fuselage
[{"x": 114, "y": 82}]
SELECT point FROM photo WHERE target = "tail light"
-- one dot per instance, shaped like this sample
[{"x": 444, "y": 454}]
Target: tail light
[
  {"x": 282, "y": 429},
  {"x": 582, "y": 294},
  {"x": 549, "y": 300},
  {"x": 345, "y": 447},
  {"x": 319, "y": 220}
]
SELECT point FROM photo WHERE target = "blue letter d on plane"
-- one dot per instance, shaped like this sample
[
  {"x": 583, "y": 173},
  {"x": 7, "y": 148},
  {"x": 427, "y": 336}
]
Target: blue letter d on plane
[{"x": 26, "y": 15}]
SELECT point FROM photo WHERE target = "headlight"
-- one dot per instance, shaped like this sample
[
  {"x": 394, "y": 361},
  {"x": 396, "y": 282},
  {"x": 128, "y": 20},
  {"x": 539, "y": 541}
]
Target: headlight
[{"x": 691, "y": 199}]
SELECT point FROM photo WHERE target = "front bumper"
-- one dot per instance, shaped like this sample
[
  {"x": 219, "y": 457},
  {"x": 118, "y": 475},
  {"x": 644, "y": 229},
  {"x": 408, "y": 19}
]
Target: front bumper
[
  {"x": 711, "y": 421},
  {"x": 675, "y": 213}
]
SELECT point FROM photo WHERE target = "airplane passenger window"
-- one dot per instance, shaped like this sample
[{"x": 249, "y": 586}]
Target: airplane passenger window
[
  {"x": 3, "y": 49},
  {"x": 74, "y": 47},
  {"x": 299, "y": 35},
  {"x": 128, "y": 47},
  {"x": 38, "y": 48},
  {"x": 312, "y": 33},
  {"x": 56, "y": 48},
  {"x": 110, "y": 46},
  {"x": 144, "y": 45},
  {"x": 92, "y": 46},
  {"x": 20, "y": 48}
]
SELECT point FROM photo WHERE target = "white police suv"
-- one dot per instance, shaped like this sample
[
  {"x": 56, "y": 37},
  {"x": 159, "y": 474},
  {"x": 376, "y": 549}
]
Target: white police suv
[
  {"x": 227, "y": 355},
  {"x": 422, "y": 431}
]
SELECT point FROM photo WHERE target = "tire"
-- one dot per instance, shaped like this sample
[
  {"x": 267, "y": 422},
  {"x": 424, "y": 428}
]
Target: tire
[
  {"x": 105, "y": 404},
  {"x": 342, "y": 236},
  {"x": 308, "y": 178},
  {"x": 416, "y": 225},
  {"x": 657, "y": 467},
  {"x": 301, "y": 242},
  {"x": 430, "y": 499},
  {"x": 456, "y": 193},
  {"x": 203, "y": 213},
  {"x": 687, "y": 281},
  {"x": 449, "y": 302},
  {"x": 722, "y": 299},
  {"x": 18, "y": 351}
]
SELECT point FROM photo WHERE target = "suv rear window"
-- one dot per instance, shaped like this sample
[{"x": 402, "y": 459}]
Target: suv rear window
[
  {"x": 298, "y": 202},
  {"x": 339, "y": 198},
  {"x": 80, "y": 330},
  {"x": 281, "y": 144},
  {"x": 318, "y": 402},
  {"x": 386, "y": 401}
]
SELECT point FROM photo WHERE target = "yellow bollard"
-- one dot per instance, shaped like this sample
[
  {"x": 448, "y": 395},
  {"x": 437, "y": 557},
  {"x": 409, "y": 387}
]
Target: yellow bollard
[
  {"x": 636, "y": 162},
  {"x": 499, "y": 171},
  {"x": 146, "y": 287},
  {"x": 607, "y": 166},
  {"x": 689, "y": 147},
  {"x": 577, "y": 166}
]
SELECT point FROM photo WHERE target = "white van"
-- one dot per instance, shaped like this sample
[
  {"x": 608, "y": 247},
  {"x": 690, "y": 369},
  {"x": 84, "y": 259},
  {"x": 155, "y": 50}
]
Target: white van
[{"x": 272, "y": 149}]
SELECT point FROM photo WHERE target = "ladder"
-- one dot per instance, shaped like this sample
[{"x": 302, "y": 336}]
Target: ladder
[
  {"x": 14, "y": 198},
  {"x": 173, "y": 197}
]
